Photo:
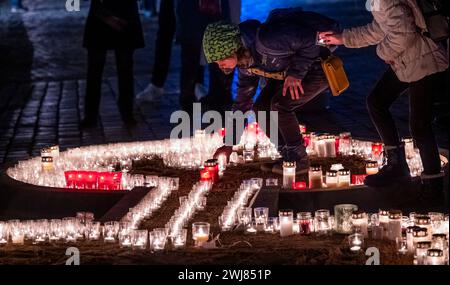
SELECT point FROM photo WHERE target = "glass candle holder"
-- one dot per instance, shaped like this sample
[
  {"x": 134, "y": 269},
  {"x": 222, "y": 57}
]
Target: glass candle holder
[
  {"x": 332, "y": 179},
  {"x": 250, "y": 228},
  {"x": 272, "y": 182},
  {"x": 356, "y": 242},
  {"x": 3, "y": 233},
  {"x": 330, "y": 146},
  {"x": 249, "y": 155},
  {"x": 410, "y": 239},
  {"x": 424, "y": 221},
  {"x": 345, "y": 143},
  {"x": 47, "y": 163},
  {"x": 226, "y": 222},
  {"x": 110, "y": 231},
  {"x": 383, "y": 217},
  {"x": 244, "y": 215},
  {"x": 439, "y": 241},
  {"x": 371, "y": 167},
  {"x": 344, "y": 178},
  {"x": 158, "y": 239},
  {"x": 343, "y": 217},
  {"x": 419, "y": 235},
  {"x": 360, "y": 223},
  {"x": 139, "y": 239},
  {"x": 435, "y": 257},
  {"x": 395, "y": 225},
  {"x": 125, "y": 238},
  {"x": 93, "y": 230},
  {"x": 272, "y": 225},
  {"x": 179, "y": 240},
  {"x": 322, "y": 222},
  {"x": 421, "y": 252},
  {"x": 409, "y": 147},
  {"x": 305, "y": 222},
  {"x": 315, "y": 177},
  {"x": 212, "y": 166},
  {"x": 286, "y": 218},
  {"x": 401, "y": 245},
  {"x": 261, "y": 217},
  {"x": 288, "y": 174},
  {"x": 200, "y": 233},
  {"x": 436, "y": 220}
]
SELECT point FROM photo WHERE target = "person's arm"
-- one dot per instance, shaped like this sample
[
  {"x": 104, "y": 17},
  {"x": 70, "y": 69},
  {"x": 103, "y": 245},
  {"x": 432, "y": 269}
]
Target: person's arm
[
  {"x": 246, "y": 90},
  {"x": 358, "y": 37},
  {"x": 306, "y": 52},
  {"x": 401, "y": 32}
]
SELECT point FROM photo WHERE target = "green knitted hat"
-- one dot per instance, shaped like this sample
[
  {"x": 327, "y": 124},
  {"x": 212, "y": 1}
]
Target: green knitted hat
[{"x": 220, "y": 41}]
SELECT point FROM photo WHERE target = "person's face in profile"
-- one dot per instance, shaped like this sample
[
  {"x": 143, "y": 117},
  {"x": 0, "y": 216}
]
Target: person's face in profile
[{"x": 227, "y": 65}]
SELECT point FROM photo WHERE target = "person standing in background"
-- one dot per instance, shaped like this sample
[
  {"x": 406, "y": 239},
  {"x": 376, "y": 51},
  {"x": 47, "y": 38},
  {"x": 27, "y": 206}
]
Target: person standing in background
[
  {"x": 111, "y": 25},
  {"x": 415, "y": 65}
]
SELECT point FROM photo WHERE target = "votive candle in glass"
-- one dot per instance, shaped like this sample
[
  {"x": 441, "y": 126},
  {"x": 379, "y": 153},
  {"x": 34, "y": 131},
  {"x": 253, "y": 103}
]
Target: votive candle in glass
[
  {"x": 179, "y": 240},
  {"x": 383, "y": 217},
  {"x": 330, "y": 146},
  {"x": 286, "y": 218},
  {"x": 200, "y": 233},
  {"x": 371, "y": 167},
  {"x": 322, "y": 222},
  {"x": 332, "y": 179},
  {"x": 356, "y": 242},
  {"x": 3, "y": 233},
  {"x": 343, "y": 217},
  {"x": 343, "y": 178},
  {"x": 360, "y": 223},
  {"x": 305, "y": 222},
  {"x": 424, "y": 221},
  {"x": 410, "y": 238},
  {"x": 435, "y": 257},
  {"x": 288, "y": 174},
  {"x": 315, "y": 177},
  {"x": 395, "y": 225},
  {"x": 157, "y": 239},
  {"x": 47, "y": 163},
  {"x": 421, "y": 252},
  {"x": 139, "y": 239},
  {"x": 261, "y": 217},
  {"x": 419, "y": 235}
]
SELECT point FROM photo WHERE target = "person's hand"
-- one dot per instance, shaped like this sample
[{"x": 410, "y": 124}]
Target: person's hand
[
  {"x": 331, "y": 38},
  {"x": 294, "y": 86},
  {"x": 225, "y": 150}
]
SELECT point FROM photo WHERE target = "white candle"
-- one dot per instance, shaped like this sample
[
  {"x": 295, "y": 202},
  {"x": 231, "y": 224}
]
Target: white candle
[
  {"x": 360, "y": 223},
  {"x": 344, "y": 178},
  {"x": 315, "y": 177},
  {"x": 395, "y": 225},
  {"x": 330, "y": 146},
  {"x": 286, "y": 223},
  {"x": 332, "y": 179},
  {"x": 288, "y": 174},
  {"x": 371, "y": 167}
]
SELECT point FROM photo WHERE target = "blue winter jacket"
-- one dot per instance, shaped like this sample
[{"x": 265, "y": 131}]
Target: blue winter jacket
[{"x": 286, "y": 42}]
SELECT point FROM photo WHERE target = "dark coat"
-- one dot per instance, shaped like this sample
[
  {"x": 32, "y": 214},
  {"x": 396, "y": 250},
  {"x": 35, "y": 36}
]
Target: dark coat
[
  {"x": 99, "y": 34},
  {"x": 191, "y": 22},
  {"x": 286, "y": 43}
]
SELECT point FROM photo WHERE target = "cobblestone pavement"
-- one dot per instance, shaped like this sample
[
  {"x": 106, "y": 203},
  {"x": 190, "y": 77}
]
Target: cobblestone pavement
[{"x": 42, "y": 70}]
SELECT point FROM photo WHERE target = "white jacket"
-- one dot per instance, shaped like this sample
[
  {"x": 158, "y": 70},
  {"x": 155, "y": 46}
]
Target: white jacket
[{"x": 394, "y": 31}]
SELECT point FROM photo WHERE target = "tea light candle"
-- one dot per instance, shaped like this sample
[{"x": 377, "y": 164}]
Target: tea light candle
[
  {"x": 47, "y": 163},
  {"x": 435, "y": 257},
  {"x": 421, "y": 252},
  {"x": 286, "y": 218},
  {"x": 288, "y": 174},
  {"x": 356, "y": 242},
  {"x": 251, "y": 229},
  {"x": 360, "y": 223},
  {"x": 332, "y": 179},
  {"x": 315, "y": 176},
  {"x": 395, "y": 225},
  {"x": 343, "y": 178},
  {"x": 371, "y": 167},
  {"x": 200, "y": 233}
]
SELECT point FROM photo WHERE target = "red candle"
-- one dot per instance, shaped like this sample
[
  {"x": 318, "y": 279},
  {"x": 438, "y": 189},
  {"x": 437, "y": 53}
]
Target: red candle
[
  {"x": 70, "y": 178},
  {"x": 301, "y": 185},
  {"x": 205, "y": 175},
  {"x": 377, "y": 149},
  {"x": 336, "y": 144},
  {"x": 109, "y": 180},
  {"x": 222, "y": 132},
  {"x": 212, "y": 166},
  {"x": 90, "y": 179},
  {"x": 358, "y": 179},
  {"x": 306, "y": 140}
]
